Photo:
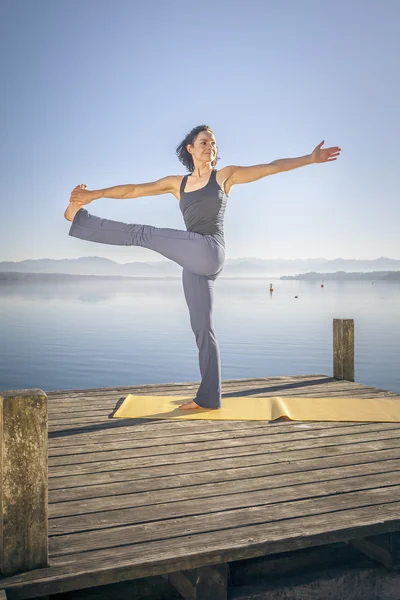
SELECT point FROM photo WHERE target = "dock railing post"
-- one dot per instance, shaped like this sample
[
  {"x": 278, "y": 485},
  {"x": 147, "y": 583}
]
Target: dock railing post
[
  {"x": 23, "y": 481},
  {"x": 343, "y": 349}
]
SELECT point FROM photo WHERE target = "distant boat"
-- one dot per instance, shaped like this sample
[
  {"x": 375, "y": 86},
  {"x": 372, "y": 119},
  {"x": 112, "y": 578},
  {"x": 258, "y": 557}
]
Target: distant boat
[{"x": 296, "y": 296}]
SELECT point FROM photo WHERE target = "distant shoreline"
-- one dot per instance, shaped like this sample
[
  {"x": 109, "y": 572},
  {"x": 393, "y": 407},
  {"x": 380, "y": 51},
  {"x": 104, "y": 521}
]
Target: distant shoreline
[
  {"x": 14, "y": 276},
  {"x": 27, "y": 277},
  {"x": 343, "y": 275}
]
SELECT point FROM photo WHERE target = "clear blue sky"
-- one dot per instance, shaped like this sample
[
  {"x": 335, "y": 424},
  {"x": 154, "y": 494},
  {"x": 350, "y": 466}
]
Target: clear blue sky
[{"x": 101, "y": 92}]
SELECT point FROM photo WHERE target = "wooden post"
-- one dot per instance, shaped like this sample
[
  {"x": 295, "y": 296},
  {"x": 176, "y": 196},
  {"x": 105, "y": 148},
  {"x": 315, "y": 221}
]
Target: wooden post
[
  {"x": 204, "y": 583},
  {"x": 343, "y": 349},
  {"x": 23, "y": 481}
]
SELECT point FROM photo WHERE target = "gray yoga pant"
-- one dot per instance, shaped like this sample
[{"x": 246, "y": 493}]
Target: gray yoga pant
[{"x": 201, "y": 257}]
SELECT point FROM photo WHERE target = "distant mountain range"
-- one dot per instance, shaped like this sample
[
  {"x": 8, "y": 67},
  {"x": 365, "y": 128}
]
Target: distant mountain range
[{"x": 238, "y": 267}]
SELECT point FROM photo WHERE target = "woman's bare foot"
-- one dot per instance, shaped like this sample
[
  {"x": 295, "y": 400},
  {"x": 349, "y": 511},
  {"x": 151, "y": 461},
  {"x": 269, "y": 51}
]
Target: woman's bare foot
[
  {"x": 189, "y": 405},
  {"x": 71, "y": 211},
  {"x": 79, "y": 197}
]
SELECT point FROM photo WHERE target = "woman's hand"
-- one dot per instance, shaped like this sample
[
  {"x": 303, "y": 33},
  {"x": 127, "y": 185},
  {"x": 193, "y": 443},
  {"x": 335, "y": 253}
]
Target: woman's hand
[
  {"x": 83, "y": 196},
  {"x": 321, "y": 155}
]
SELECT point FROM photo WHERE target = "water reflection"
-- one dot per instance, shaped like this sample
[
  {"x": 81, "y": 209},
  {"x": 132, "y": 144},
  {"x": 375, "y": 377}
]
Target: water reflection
[{"x": 104, "y": 333}]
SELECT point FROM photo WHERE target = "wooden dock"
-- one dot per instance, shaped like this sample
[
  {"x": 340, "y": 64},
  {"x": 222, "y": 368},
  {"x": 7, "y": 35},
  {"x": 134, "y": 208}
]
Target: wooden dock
[{"x": 201, "y": 500}]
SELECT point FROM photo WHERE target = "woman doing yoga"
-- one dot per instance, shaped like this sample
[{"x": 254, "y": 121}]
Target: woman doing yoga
[{"x": 200, "y": 250}]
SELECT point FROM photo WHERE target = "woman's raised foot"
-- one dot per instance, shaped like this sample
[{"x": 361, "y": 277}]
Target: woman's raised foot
[{"x": 71, "y": 210}]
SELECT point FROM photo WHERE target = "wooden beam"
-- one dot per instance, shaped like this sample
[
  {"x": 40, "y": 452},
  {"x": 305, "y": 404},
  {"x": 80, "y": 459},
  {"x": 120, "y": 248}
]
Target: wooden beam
[
  {"x": 202, "y": 584},
  {"x": 382, "y": 548},
  {"x": 23, "y": 481},
  {"x": 3, "y": 595},
  {"x": 343, "y": 349}
]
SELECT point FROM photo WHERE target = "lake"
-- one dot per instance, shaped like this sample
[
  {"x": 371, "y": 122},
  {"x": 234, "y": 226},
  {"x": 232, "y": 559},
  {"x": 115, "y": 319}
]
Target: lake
[{"x": 105, "y": 333}]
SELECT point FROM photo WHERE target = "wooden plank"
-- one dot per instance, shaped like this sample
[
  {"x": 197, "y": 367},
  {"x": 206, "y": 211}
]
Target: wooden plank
[
  {"x": 133, "y": 429},
  {"x": 155, "y": 558},
  {"x": 202, "y": 532},
  {"x": 149, "y": 436},
  {"x": 23, "y": 480},
  {"x": 145, "y": 457},
  {"x": 371, "y": 461},
  {"x": 98, "y": 520},
  {"x": 59, "y": 480},
  {"x": 139, "y": 432},
  {"x": 204, "y": 441},
  {"x": 269, "y": 483}
]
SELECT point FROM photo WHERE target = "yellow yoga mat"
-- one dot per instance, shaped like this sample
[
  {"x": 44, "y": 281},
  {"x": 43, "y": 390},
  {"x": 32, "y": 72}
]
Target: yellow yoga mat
[{"x": 248, "y": 408}]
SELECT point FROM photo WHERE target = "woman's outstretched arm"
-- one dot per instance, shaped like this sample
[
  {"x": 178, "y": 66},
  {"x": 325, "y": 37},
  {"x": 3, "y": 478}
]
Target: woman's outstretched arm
[
  {"x": 236, "y": 175},
  {"x": 131, "y": 190}
]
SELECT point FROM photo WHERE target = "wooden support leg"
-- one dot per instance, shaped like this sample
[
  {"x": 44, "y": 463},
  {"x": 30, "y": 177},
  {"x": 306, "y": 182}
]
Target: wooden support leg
[
  {"x": 23, "y": 481},
  {"x": 3, "y": 595},
  {"x": 385, "y": 549},
  {"x": 205, "y": 583}
]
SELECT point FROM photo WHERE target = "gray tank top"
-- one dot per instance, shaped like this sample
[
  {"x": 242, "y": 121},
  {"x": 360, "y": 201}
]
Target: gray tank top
[{"x": 203, "y": 210}]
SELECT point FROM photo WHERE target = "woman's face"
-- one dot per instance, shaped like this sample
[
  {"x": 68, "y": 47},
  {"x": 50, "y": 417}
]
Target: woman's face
[{"x": 204, "y": 148}]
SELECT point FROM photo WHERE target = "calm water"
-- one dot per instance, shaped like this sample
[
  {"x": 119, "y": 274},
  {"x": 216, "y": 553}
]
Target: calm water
[{"x": 105, "y": 333}]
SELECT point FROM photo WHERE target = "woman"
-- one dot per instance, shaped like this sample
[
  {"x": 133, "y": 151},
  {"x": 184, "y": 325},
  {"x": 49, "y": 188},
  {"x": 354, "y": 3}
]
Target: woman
[{"x": 201, "y": 249}]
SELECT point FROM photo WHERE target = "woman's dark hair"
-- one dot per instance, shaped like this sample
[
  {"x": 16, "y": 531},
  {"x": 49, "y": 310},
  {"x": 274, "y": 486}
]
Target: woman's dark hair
[{"x": 184, "y": 156}]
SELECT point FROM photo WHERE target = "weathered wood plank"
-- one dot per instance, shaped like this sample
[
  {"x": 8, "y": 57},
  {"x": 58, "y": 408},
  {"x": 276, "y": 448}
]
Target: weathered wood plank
[
  {"x": 145, "y": 458},
  {"x": 117, "y": 430},
  {"x": 80, "y": 440},
  {"x": 23, "y": 480},
  {"x": 203, "y": 441},
  {"x": 59, "y": 480},
  {"x": 148, "y": 436},
  {"x": 389, "y": 484},
  {"x": 326, "y": 515},
  {"x": 155, "y": 558},
  {"x": 372, "y": 461},
  {"x": 269, "y": 483}
]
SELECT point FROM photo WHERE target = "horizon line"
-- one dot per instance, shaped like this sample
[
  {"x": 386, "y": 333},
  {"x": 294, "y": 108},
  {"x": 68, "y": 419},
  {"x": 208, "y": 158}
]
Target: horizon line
[{"x": 227, "y": 258}]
